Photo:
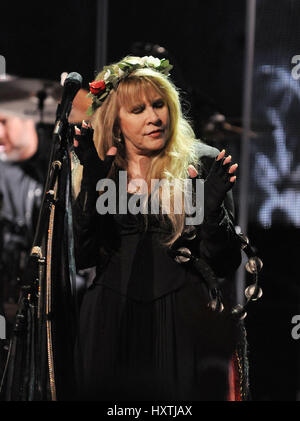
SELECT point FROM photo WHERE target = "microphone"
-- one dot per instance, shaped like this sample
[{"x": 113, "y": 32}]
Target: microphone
[{"x": 71, "y": 86}]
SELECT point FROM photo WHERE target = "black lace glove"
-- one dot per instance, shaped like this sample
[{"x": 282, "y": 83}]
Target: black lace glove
[
  {"x": 94, "y": 169},
  {"x": 218, "y": 182}
]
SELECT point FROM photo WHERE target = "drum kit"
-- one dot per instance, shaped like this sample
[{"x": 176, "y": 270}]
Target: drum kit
[{"x": 37, "y": 99}]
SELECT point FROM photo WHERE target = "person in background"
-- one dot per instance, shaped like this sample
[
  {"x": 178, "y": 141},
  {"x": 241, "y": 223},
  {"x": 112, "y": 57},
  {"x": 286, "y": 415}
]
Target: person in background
[
  {"x": 24, "y": 150},
  {"x": 25, "y": 146}
]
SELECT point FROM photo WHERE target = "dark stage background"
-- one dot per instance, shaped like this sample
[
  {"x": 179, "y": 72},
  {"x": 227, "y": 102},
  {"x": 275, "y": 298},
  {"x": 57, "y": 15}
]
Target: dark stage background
[{"x": 206, "y": 42}]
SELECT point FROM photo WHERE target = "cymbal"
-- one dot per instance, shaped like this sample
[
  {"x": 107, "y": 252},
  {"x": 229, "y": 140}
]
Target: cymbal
[
  {"x": 20, "y": 97},
  {"x": 28, "y": 108},
  {"x": 15, "y": 88}
]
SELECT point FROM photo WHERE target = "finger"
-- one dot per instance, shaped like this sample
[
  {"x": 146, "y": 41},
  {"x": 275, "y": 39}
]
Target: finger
[
  {"x": 221, "y": 155},
  {"x": 192, "y": 171},
  {"x": 77, "y": 133},
  {"x": 86, "y": 123},
  {"x": 233, "y": 168},
  {"x": 224, "y": 169},
  {"x": 232, "y": 179},
  {"x": 87, "y": 132},
  {"x": 112, "y": 151},
  {"x": 227, "y": 160}
]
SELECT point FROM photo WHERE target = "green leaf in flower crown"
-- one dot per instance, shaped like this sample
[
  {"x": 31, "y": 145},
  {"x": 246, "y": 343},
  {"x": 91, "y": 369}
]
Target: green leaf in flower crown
[
  {"x": 114, "y": 79},
  {"x": 165, "y": 67},
  {"x": 105, "y": 68},
  {"x": 126, "y": 67},
  {"x": 96, "y": 103},
  {"x": 123, "y": 65},
  {"x": 164, "y": 63},
  {"x": 103, "y": 96},
  {"x": 90, "y": 111}
]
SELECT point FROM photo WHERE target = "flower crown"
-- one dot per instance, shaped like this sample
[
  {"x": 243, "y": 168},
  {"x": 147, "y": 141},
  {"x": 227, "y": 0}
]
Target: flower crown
[{"x": 113, "y": 74}]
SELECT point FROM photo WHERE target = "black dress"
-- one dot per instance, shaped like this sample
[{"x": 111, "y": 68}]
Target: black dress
[{"x": 145, "y": 330}]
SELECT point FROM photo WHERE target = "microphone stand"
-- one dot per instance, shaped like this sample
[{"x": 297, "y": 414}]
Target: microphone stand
[{"x": 39, "y": 365}]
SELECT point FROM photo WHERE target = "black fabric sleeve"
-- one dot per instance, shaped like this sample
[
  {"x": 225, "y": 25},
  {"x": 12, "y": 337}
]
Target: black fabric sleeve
[
  {"x": 86, "y": 227},
  {"x": 220, "y": 245}
]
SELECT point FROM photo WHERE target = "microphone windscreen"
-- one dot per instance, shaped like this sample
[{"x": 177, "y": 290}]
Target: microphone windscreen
[{"x": 73, "y": 77}]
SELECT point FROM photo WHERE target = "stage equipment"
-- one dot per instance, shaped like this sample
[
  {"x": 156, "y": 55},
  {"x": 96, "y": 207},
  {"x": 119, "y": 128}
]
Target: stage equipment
[
  {"x": 39, "y": 365},
  {"x": 37, "y": 99}
]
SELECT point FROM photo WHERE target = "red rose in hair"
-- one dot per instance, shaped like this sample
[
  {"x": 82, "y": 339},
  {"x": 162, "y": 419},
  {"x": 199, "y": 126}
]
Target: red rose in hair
[{"x": 97, "y": 87}]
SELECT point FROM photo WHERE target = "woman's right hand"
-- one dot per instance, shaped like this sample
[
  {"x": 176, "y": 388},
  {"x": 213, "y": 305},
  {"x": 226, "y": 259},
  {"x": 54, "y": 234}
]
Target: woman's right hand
[{"x": 94, "y": 168}]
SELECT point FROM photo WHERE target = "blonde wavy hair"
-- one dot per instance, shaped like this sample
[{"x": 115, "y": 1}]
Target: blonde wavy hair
[{"x": 172, "y": 162}]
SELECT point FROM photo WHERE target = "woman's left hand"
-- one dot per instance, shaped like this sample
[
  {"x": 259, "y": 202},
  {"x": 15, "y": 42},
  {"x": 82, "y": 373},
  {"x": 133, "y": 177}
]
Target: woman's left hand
[{"x": 218, "y": 182}]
